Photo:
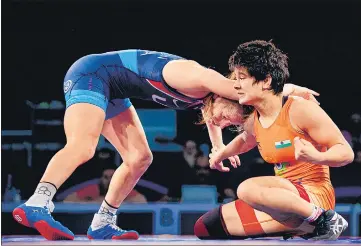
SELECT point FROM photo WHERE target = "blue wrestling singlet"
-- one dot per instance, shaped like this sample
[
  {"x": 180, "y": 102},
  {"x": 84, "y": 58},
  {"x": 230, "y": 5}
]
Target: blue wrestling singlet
[{"x": 108, "y": 80}]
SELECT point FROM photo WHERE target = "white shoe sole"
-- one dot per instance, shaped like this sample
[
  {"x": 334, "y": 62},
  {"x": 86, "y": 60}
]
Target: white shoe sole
[{"x": 336, "y": 230}]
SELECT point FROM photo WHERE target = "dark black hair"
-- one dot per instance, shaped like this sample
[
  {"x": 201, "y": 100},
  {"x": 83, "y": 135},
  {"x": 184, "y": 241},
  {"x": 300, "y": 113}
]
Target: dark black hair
[{"x": 262, "y": 59}]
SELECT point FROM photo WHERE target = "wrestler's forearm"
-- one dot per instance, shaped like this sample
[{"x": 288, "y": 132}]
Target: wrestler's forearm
[
  {"x": 215, "y": 135},
  {"x": 337, "y": 156},
  {"x": 238, "y": 145},
  {"x": 218, "y": 84}
]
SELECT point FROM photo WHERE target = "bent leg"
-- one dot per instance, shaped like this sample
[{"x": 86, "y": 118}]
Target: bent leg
[
  {"x": 82, "y": 137},
  {"x": 82, "y": 123},
  {"x": 238, "y": 220},
  {"x": 127, "y": 135},
  {"x": 276, "y": 196},
  {"x": 86, "y": 101},
  {"x": 241, "y": 220}
]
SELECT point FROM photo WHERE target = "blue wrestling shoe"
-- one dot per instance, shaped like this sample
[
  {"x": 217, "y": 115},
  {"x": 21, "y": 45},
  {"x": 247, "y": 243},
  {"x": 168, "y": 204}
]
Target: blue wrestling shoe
[
  {"x": 41, "y": 219},
  {"x": 104, "y": 227}
]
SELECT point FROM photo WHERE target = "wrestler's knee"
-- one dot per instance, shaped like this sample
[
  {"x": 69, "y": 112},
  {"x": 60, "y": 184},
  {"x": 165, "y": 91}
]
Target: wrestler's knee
[
  {"x": 81, "y": 150},
  {"x": 140, "y": 160},
  {"x": 248, "y": 191},
  {"x": 211, "y": 226}
]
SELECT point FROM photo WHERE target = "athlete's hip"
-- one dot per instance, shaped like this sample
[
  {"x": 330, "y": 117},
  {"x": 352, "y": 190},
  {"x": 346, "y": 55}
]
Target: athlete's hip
[{"x": 321, "y": 194}]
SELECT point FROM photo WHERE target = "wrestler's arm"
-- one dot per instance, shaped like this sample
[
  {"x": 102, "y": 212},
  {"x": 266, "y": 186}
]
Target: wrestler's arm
[
  {"x": 244, "y": 142},
  {"x": 313, "y": 120},
  {"x": 215, "y": 135},
  {"x": 214, "y": 82},
  {"x": 295, "y": 90},
  {"x": 190, "y": 75},
  {"x": 239, "y": 145}
]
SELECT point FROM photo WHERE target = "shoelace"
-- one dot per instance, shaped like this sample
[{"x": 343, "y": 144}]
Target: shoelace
[
  {"x": 49, "y": 207},
  {"x": 115, "y": 227},
  {"x": 111, "y": 220}
]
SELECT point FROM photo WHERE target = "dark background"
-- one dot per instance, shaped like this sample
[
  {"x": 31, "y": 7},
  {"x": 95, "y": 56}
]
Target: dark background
[{"x": 41, "y": 39}]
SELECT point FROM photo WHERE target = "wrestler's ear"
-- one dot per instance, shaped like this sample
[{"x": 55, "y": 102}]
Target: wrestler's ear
[{"x": 266, "y": 85}]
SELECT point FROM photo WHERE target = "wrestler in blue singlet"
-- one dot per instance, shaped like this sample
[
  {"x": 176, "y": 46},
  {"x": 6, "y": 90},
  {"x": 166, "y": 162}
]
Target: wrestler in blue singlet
[{"x": 108, "y": 80}]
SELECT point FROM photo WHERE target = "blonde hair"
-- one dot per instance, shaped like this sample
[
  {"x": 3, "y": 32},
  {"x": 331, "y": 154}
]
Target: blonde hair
[{"x": 209, "y": 101}]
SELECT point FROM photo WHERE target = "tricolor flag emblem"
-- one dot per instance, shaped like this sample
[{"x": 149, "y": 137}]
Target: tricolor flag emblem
[{"x": 283, "y": 144}]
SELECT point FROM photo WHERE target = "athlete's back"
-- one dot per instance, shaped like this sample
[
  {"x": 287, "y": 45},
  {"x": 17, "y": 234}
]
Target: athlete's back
[{"x": 119, "y": 75}]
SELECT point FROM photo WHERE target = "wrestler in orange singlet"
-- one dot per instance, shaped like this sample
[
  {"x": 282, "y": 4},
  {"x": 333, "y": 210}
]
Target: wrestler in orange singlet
[{"x": 294, "y": 134}]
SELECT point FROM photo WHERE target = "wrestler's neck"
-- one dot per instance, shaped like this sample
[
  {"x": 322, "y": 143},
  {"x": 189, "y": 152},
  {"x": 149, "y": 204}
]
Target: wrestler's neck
[{"x": 269, "y": 106}]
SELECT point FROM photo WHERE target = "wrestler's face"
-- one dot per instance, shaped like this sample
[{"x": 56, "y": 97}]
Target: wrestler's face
[
  {"x": 226, "y": 113},
  {"x": 248, "y": 91}
]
